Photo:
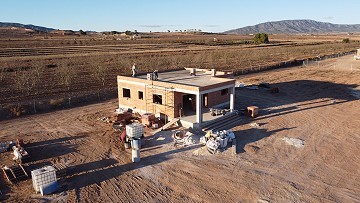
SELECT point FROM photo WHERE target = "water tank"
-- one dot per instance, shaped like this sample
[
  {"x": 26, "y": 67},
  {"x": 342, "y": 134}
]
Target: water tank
[
  {"x": 135, "y": 130},
  {"x": 43, "y": 176}
]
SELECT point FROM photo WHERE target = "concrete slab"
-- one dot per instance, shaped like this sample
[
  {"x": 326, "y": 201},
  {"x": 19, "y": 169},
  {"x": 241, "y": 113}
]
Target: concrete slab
[{"x": 183, "y": 77}]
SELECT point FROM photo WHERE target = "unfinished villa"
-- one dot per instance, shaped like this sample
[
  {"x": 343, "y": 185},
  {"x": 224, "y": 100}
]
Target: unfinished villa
[{"x": 187, "y": 94}]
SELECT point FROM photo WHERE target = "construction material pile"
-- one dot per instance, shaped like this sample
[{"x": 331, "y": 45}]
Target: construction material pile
[
  {"x": 6, "y": 146},
  {"x": 216, "y": 112},
  {"x": 217, "y": 140},
  {"x": 20, "y": 155},
  {"x": 183, "y": 139}
]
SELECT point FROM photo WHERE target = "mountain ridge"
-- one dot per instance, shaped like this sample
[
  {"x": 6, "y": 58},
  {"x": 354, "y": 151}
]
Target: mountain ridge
[
  {"x": 28, "y": 26},
  {"x": 296, "y": 27}
]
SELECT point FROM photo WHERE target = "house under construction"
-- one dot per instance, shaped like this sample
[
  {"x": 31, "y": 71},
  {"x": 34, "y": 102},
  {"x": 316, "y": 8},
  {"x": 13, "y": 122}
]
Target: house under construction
[{"x": 187, "y": 94}]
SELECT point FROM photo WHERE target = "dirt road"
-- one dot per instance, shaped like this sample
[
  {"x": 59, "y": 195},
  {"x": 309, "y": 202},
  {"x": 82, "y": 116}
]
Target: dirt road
[{"x": 315, "y": 105}]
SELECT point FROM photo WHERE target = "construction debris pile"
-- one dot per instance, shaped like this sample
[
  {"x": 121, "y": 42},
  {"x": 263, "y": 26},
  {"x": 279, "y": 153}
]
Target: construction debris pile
[
  {"x": 6, "y": 146},
  {"x": 120, "y": 117},
  {"x": 216, "y": 112},
  {"x": 183, "y": 139},
  {"x": 20, "y": 154},
  {"x": 217, "y": 140},
  {"x": 257, "y": 86}
]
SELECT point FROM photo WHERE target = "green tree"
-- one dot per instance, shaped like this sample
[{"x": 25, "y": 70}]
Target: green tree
[
  {"x": 82, "y": 32},
  {"x": 261, "y": 38},
  {"x": 128, "y": 32},
  {"x": 346, "y": 40}
]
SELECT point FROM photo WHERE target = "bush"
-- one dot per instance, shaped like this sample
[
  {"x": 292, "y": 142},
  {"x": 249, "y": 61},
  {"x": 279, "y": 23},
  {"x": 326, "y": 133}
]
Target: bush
[
  {"x": 261, "y": 38},
  {"x": 128, "y": 32},
  {"x": 82, "y": 32},
  {"x": 346, "y": 40}
]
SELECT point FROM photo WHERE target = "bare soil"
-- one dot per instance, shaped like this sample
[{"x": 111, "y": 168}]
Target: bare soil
[{"x": 315, "y": 104}]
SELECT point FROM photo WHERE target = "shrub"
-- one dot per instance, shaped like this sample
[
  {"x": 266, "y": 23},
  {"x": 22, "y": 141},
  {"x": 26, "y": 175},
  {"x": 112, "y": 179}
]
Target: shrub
[
  {"x": 261, "y": 38},
  {"x": 346, "y": 40},
  {"x": 128, "y": 32},
  {"x": 82, "y": 32}
]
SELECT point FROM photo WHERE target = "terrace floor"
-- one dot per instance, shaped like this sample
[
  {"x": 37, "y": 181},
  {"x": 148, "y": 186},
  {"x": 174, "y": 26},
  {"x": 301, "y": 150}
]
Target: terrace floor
[{"x": 183, "y": 77}]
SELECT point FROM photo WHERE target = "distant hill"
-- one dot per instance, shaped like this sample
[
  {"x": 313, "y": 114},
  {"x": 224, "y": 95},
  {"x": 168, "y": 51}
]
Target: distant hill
[
  {"x": 295, "y": 27},
  {"x": 32, "y": 27}
]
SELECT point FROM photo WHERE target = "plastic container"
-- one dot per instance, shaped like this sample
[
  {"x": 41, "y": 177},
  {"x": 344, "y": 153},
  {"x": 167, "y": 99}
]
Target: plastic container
[
  {"x": 135, "y": 155},
  {"x": 136, "y": 144},
  {"x": 49, "y": 188},
  {"x": 43, "y": 176},
  {"x": 134, "y": 130}
]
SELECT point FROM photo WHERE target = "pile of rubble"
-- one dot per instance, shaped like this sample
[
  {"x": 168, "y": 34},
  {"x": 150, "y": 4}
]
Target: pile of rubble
[
  {"x": 217, "y": 140},
  {"x": 20, "y": 155},
  {"x": 183, "y": 139}
]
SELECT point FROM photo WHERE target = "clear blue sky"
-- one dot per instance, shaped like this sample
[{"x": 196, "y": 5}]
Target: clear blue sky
[{"x": 162, "y": 15}]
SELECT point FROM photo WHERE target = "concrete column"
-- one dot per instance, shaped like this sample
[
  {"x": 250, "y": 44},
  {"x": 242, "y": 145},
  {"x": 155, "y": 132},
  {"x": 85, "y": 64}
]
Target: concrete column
[
  {"x": 232, "y": 99},
  {"x": 199, "y": 115}
]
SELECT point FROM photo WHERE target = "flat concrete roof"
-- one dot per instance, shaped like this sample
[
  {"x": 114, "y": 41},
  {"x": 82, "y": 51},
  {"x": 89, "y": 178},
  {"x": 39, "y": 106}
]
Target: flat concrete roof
[{"x": 183, "y": 77}]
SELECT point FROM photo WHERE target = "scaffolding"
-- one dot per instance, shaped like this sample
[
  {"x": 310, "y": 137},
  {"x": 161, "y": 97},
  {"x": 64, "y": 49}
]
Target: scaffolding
[{"x": 166, "y": 107}]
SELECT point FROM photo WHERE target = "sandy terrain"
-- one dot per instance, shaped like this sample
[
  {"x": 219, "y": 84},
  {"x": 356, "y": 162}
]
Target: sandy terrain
[{"x": 315, "y": 105}]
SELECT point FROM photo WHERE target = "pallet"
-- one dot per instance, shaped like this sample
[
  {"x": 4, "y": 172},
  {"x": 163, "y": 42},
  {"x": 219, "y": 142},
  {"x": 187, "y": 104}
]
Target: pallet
[{"x": 15, "y": 173}]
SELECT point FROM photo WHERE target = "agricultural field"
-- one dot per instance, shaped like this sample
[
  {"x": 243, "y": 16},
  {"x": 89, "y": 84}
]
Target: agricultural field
[
  {"x": 39, "y": 73},
  {"x": 318, "y": 104}
]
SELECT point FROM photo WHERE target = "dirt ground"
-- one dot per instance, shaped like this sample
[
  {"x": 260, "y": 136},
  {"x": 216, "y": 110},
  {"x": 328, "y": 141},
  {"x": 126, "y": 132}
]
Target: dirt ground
[{"x": 316, "y": 104}]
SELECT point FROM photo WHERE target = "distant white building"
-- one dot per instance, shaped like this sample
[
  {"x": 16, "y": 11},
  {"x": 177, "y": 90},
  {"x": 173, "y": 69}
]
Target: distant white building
[{"x": 136, "y": 36}]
